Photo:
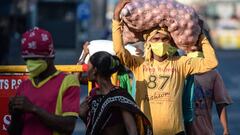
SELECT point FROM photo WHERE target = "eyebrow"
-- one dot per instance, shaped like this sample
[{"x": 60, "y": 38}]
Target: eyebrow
[{"x": 163, "y": 35}]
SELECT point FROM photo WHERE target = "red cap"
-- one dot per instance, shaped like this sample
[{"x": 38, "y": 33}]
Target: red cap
[{"x": 37, "y": 43}]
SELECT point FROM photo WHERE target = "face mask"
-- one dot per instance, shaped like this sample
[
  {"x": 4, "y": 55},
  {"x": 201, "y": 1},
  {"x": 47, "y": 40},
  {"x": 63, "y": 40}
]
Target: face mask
[
  {"x": 171, "y": 50},
  {"x": 35, "y": 67},
  {"x": 195, "y": 54},
  {"x": 159, "y": 48}
]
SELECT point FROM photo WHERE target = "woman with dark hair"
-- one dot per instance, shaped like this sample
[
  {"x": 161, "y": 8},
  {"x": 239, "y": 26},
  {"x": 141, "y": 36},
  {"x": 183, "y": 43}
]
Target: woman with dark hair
[
  {"x": 123, "y": 77},
  {"x": 110, "y": 109}
]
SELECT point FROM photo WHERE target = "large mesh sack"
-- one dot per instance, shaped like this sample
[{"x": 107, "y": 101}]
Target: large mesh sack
[{"x": 141, "y": 15}]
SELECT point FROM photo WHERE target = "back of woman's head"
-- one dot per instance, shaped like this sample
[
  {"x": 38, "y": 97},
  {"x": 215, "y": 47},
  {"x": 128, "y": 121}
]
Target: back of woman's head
[{"x": 105, "y": 63}]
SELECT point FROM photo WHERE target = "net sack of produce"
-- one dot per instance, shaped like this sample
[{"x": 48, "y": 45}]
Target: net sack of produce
[{"x": 180, "y": 20}]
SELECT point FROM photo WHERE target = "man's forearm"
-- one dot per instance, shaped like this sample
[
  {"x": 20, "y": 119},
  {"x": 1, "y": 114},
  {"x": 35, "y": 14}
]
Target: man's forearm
[
  {"x": 222, "y": 113},
  {"x": 117, "y": 36},
  {"x": 57, "y": 123},
  {"x": 124, "y": 56},
  {"x": 210, "y": 59},
  {"x": 202, "y": 65}
]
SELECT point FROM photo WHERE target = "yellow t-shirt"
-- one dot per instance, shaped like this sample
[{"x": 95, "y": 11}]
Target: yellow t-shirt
[{"x": 159, "y": 85}]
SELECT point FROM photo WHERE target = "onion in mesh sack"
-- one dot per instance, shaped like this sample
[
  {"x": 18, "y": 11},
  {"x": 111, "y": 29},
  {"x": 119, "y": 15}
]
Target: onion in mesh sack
[{"x": 141, "y": 15}]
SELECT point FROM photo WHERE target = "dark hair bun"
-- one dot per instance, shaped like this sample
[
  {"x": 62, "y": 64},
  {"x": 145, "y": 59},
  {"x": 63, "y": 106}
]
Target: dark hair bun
[
  {"x": 105, "y": 63},
  {"x": 115, "y": 65}
]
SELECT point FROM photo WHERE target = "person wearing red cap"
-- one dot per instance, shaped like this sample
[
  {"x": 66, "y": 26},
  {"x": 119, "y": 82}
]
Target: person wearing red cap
[{"x": 48, "y": 102}]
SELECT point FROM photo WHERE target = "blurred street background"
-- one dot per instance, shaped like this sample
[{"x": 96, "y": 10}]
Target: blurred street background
[{"x": 72, "y": 22}]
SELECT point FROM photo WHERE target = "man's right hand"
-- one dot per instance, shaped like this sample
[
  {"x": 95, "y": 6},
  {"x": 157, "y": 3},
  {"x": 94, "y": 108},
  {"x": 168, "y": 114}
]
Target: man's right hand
[
  {"x": 85, "y": 47},
  {"x": 85, "y": 53},
  {"x": 118, "y": 9}
]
